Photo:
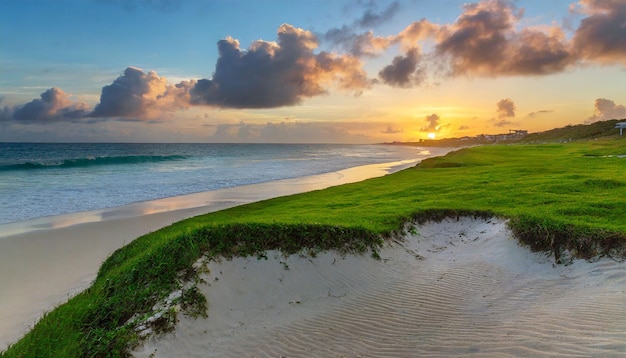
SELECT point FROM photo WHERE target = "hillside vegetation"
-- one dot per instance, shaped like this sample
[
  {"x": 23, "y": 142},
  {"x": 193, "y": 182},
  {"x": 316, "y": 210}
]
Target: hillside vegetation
[
  {"x": 566, "y": 199},
  {"x": 597, "y": 130}
]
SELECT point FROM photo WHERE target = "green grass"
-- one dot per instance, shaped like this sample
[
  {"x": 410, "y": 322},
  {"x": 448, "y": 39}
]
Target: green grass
[
  {"x": 602, "y": 129},
  {"x": 558, "y": 197}
]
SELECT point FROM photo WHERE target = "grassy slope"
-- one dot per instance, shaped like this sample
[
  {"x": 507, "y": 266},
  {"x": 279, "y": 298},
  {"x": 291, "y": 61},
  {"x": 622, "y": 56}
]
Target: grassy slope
[
  {"x": 595, "y": 130},
  {"x": 558, "y": 196}
]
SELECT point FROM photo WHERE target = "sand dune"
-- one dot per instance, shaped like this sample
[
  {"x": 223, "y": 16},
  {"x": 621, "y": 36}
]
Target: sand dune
[{"x": 457, "y": 288}]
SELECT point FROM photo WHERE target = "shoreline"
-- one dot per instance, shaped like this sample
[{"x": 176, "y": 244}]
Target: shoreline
[
  {"x": 227, "y": 197},
  {"x": 61, "y": 263}
]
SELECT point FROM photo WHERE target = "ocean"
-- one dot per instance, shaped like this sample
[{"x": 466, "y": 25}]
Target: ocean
[{"x": 46, "y": 179}]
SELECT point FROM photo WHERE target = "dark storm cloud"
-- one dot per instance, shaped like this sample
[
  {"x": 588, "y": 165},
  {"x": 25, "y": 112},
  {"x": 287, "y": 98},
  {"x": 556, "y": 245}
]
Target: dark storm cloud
[
  {"x": 403, "y": 71},
  {"x": 136, "y": 94},
  {"x": 606, "y": 109},
  {"x": 277, "y": 74},
  {"x": 601, "y": 36},
  {"x": 54, "y": 105}
]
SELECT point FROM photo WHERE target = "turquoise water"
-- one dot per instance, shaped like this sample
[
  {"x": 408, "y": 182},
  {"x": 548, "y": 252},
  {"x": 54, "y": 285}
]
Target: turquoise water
[{"x": 38, "y": 180}]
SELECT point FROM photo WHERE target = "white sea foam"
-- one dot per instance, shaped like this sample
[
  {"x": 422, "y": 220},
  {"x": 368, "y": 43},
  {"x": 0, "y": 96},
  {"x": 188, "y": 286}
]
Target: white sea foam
[{"x": 40, "y": 180}]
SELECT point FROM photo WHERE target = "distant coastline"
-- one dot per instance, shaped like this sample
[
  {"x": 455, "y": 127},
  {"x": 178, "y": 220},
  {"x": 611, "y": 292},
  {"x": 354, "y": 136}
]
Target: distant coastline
[{"x": 564, "y": 134}]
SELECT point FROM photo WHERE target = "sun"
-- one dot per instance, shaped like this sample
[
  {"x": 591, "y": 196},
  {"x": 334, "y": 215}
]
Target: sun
[{"x": 431, "y": 135}]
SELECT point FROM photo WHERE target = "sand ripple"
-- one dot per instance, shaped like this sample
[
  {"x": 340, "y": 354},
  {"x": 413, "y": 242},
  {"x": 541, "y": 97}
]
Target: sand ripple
[{"x": 457, "y": 288}]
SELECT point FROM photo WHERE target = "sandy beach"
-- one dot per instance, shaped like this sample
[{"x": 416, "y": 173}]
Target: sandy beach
[
  {"x": 45, "y": 261},
  {"x": 456, "y": 288}
]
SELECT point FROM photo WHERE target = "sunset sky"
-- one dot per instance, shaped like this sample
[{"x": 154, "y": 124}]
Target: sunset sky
[{"x": 305, "y": 71}]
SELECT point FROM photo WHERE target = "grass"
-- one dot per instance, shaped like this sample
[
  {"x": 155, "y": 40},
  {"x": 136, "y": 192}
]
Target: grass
[
  {"x": 602, "y": 129},
  {"x": 559, "y": 198}
]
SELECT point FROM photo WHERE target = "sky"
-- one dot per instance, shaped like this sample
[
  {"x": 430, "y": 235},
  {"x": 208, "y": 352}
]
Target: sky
[{"x": 319, "y": 71}]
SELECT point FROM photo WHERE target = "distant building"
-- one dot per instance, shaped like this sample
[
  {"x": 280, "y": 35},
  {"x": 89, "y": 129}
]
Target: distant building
[
  {"x": 513, "y": 134},
  {"x": 621, "y": 126}
]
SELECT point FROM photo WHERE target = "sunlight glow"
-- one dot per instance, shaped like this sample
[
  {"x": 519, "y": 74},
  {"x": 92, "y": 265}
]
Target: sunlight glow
[{"x": 431, "y": 135}]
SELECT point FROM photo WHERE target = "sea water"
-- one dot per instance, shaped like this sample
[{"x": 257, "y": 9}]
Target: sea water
[{"x": 45, "y": 179}]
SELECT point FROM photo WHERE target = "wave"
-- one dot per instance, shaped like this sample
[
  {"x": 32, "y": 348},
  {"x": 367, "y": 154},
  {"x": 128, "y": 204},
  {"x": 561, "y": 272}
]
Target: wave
[{"x": 90, "y": 161}]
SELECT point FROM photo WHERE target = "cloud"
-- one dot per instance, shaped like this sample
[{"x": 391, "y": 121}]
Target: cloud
[
  {"x": 131, "y": 97},
  {"x": 538, "y": 113},
  {"x": 271, "y": 74},
  {"x": 601, "y": 36},
  {"x": 416, "y": 32},
  {"x": 488, "y": 39},
  {"x": 505, "y": 108},
  {"x": 5, "y": 112},
  {"x": 136, "y": 94},
  {"x": 606, "y": 109},
  {"x": 391, "y": 130},
  {"x": 287, "y": 132},
  {"x": 432, "y": 123},
  {"x": 54, "y": 105},
  {"x": 358, "y": 44},
  {"x": 372, "y": 19},
  {"x": 484, "y": 41},
  {"x": 348, "y": 39},
  {"x": 403, "y": 71},
  {"x": 406, "y": 70},
  {"x": 504, "y": 123}
]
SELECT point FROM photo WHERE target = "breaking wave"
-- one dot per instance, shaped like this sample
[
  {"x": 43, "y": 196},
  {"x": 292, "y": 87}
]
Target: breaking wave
[{"x": 90, "y": 161}]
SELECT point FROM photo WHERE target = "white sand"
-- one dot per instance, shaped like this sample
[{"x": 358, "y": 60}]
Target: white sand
[
  {"x": 45, "y": 261},
  {"x": 458, "y": 288}
]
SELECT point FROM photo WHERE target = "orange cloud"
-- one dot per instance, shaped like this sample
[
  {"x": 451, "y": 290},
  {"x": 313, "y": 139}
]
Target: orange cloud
[{"x": 606, "y": 109}]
